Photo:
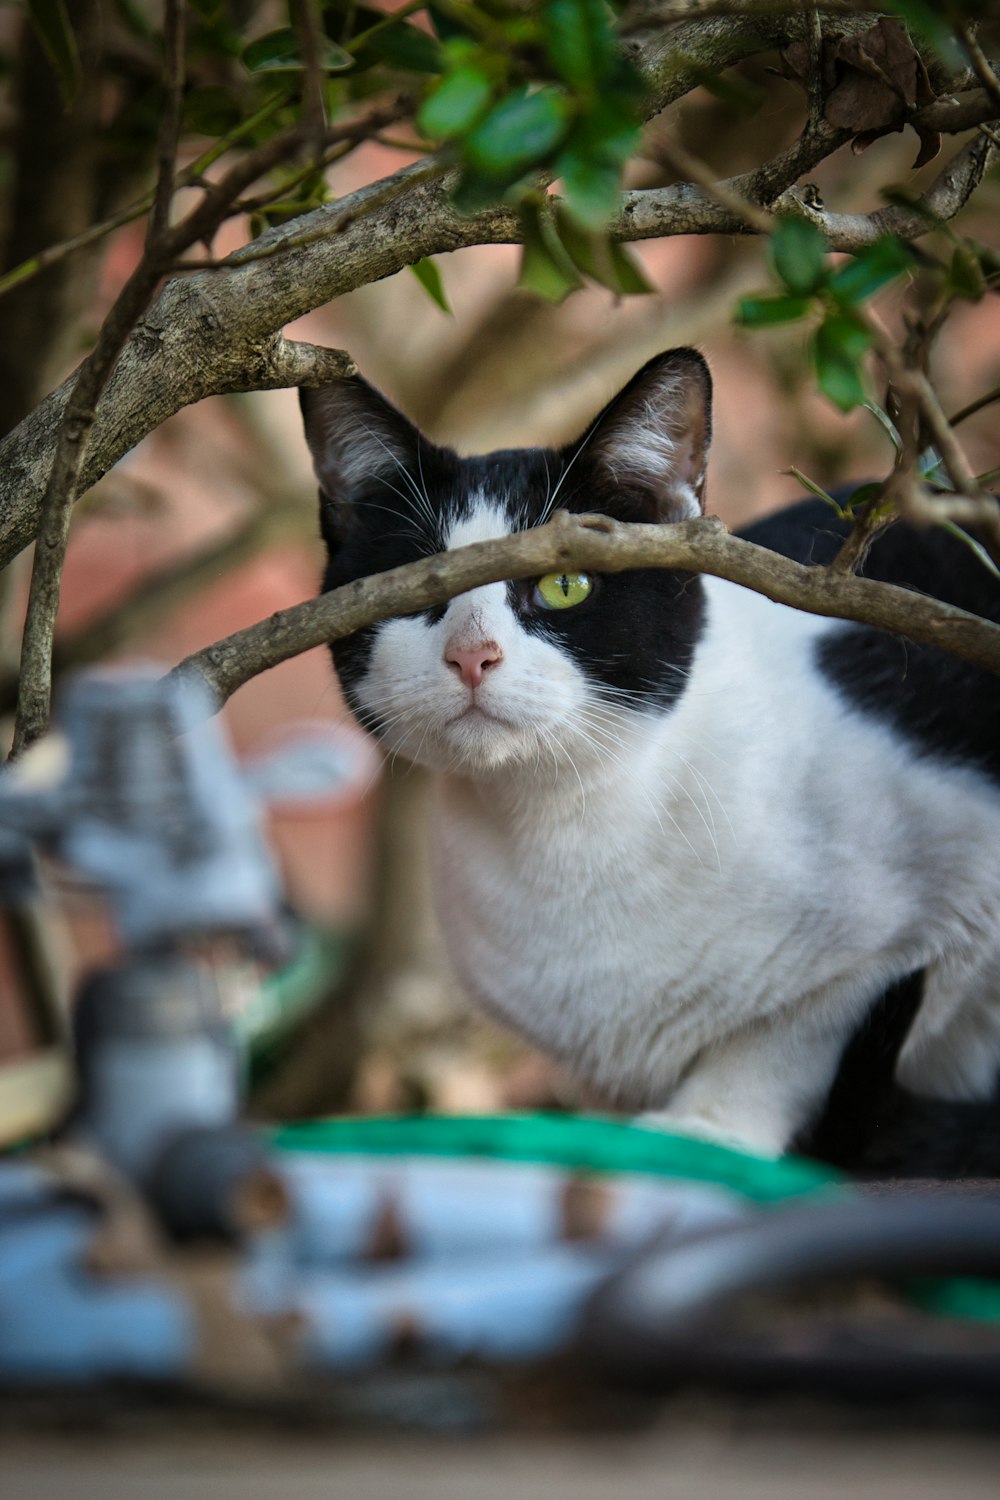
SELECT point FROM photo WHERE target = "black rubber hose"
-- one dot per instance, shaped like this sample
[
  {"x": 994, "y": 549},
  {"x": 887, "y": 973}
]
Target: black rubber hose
[{"x": 678, "y": 1312}]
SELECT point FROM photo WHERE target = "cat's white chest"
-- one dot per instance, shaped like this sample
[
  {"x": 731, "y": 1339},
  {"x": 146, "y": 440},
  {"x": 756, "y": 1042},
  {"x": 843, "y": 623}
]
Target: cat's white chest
[{"x": 586, "y": 929}]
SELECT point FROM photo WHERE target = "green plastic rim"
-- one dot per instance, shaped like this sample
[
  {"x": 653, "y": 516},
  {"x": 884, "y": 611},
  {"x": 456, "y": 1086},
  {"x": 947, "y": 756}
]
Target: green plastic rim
[
  {"x": 593, "y": 1143},
  {"x": 585, "y": 1143}
]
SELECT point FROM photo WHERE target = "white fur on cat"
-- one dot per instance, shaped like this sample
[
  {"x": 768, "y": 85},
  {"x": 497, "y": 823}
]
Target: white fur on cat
[{"x": 662, "y": 899}]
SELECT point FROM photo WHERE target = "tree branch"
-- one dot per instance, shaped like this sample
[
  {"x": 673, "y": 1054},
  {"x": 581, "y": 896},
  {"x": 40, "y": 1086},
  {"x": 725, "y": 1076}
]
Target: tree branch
[
  {"x": 63, "y": 486},
  {"x": 947, "y": 194},
  {"x": 672, "y": 53},
  {"x": 313, "y": 102},
  {"x": 685, "y": 208},
  {"x": 601, "y": 545},
  {"x": 218, "y": 330},
  {"x": 164, "y": 242},
  {"x": 980, "y": 64}
]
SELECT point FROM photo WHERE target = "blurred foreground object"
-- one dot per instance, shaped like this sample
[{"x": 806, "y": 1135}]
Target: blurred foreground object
[
  {"x": 140, "y": 794},
  {"x": 165, "y": 1239}
]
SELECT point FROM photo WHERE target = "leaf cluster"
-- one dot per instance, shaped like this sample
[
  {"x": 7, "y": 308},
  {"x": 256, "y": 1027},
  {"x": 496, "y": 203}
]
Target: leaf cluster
[
  {"x": 535, "y": 93},
  {"x": 833, "y": 296}
]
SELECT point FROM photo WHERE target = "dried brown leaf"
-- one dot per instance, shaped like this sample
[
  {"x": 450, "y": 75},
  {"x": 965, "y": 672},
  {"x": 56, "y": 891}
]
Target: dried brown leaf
[{"x": 873, "y": 83}]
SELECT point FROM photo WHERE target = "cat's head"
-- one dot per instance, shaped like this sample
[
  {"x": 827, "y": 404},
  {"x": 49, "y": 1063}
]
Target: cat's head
[{"x": 543, "y": 671}]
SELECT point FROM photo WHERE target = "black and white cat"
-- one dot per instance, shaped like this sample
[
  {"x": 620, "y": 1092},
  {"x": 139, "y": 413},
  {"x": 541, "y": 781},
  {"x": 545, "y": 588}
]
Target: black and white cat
[{"x": 738, "y": 866}]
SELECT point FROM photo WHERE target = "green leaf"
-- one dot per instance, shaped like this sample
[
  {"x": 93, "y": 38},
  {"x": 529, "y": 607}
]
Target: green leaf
[
  {"x": 798, "y": 253},
  {"x": 280, "y": 52},
  {"x": 769, "y": 312},
  {"x": 932, "y": 469},
  {"x": 403, "y": 46},
  {"x": 52, "y": 25},
  {"x": 884, "y": 419},
  {"x": 592, "y": 189},
  {"x": 988, "y": 259},
  {"x": 476, "y": 191},
  {"x": 427, "y": 273},
  {"x": 546, "y": 269},
  {"x": 602, "y": 259},
  {"x": 864, "y": 493},
  {"x": 446, "y": 26},
  {"x": 522, "y": 132},
  {"x": 607, "y": 131},
  {"x": 839, "y": 346},
  {"x": 814, "y": 489},
  {"x": 283, "y": 211},
  {"x": 590, "y": 163},
  {"x": 460, "y": 50},
  {"x": 580, "y": 40},
  {"x": 871, "y": 270},
  {"x": 977, "y": 547},
  {"x": 456, "y": 104},
  {"x": 631, "y": 278}
]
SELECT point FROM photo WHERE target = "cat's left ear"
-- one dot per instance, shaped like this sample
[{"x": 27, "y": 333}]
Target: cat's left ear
[
  {"x": 652, "y": 440},
  {"x": 356, "y": 438}
]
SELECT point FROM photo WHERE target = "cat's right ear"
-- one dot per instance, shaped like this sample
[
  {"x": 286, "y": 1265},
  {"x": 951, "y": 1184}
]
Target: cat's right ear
[
  {"x": 652, "y": 441},
  {"x": 355, "y": 436}
]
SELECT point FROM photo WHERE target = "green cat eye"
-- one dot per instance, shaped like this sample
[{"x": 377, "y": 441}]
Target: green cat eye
[{"x": 562, "y": 590}]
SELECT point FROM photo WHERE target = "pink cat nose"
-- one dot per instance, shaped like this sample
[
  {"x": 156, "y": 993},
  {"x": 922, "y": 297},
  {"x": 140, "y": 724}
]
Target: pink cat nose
[{"x": 470, "y": 662}]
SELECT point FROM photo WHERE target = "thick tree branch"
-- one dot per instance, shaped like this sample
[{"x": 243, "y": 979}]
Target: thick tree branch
[
  {"x": 672, "y": 53},
  {"x": 601, "y": 545}
]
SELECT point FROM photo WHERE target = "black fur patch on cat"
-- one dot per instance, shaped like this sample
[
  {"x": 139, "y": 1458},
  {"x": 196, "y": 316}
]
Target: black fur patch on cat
[
  {"x": 870, "y": 1125},
  {"x": 637, "y": 632},
  {"x": 946, "y": 706},
  {"x": 635, "y": 635}
]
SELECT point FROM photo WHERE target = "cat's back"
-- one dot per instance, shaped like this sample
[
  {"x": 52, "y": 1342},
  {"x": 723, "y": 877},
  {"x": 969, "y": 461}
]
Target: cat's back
[{"x": 946, "y": 706}]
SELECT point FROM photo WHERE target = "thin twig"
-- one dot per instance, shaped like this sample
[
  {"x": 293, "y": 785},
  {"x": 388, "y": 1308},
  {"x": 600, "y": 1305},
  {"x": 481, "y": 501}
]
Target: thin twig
[
  {"x": 281, "y": 189},
  {"x": 248, "y": 309},
  {"x": 191, "y": 176},
  {"x": 174, "y": 38},
  {"x": 980, "y": 63},
  {"x": 650, "y": 213},
  {"x": 970, "y": 504},
  {"x": 313, "y": 102},
  {"x": 162, "y": 251},
  {"x": 913, "y": 499},
  {"x": 35, "y": 692},
  {"x": 814, "y": 81},
  {"x": 974, "y": 406},
  {"x": 356, "y": 131}
]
